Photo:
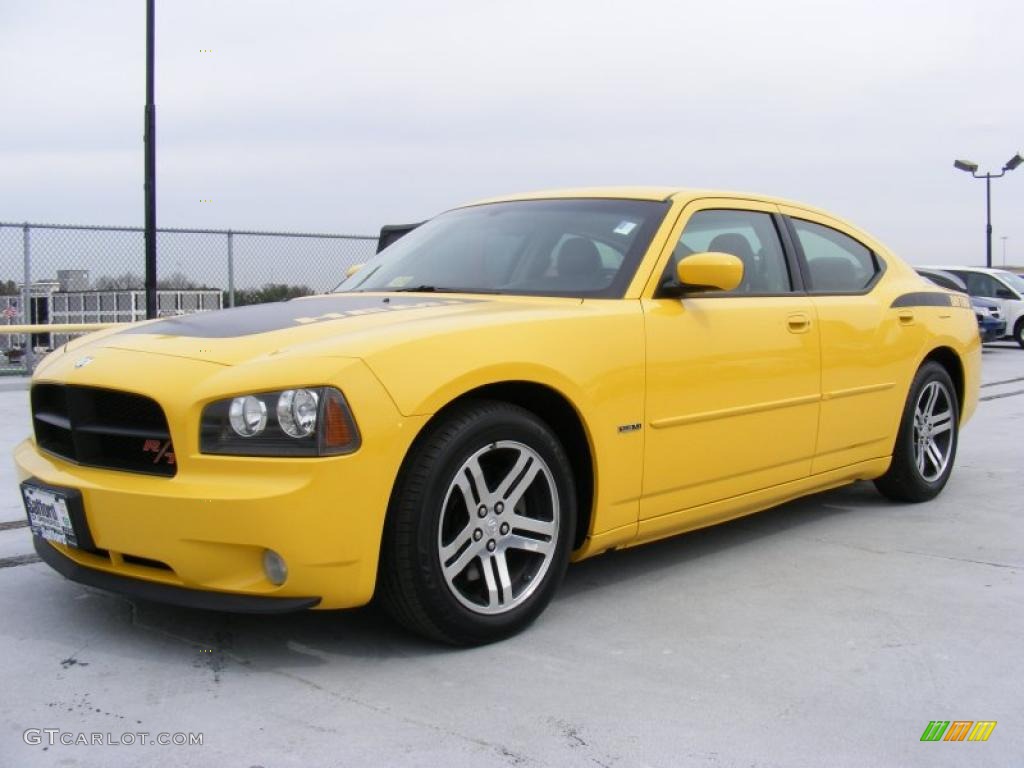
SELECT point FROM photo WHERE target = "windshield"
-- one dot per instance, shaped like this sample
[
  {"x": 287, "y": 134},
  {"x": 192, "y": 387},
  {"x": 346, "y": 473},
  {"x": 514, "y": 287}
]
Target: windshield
[
  {"x": 578, "y": 247},
  {"x": 1015, "y": 281}
]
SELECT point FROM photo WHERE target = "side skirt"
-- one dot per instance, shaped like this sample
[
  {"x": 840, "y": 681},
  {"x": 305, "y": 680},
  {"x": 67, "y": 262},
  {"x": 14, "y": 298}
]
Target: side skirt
[{"x": 739, "y": 506}]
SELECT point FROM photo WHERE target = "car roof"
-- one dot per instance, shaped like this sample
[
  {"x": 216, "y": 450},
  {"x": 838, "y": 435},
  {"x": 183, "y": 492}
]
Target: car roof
[
  {"x": 951, "y": 267},
  {"x": 647, "y": 193},
  {"x": 931, "y": 273}
]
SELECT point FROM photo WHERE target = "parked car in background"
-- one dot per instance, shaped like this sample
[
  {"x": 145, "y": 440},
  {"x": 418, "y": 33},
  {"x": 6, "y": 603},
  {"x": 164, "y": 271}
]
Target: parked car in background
[
  {"x": 991, "y": 325},
  {"x": 389, "y": 233},
  {"x": 1004, "y": 288}
]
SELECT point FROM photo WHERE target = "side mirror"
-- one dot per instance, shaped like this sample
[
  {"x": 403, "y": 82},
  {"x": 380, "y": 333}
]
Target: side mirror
[
  {"x": 1004, "y": 293},
  {"x": 709, "y": 271},
  {"x": 353, "y": 269}
]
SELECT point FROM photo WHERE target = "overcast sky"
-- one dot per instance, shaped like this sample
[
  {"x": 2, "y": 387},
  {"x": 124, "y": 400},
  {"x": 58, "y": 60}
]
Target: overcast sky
[{"x": 342, "y": 116}]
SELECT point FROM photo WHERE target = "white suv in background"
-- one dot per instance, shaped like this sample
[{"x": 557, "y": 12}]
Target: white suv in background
[{"x": 1004, "y": 289}]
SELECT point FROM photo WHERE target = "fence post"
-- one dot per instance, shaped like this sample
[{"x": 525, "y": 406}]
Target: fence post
[
  {"x": 26, "y": 296},
  {"x": 231, "y": 268}
]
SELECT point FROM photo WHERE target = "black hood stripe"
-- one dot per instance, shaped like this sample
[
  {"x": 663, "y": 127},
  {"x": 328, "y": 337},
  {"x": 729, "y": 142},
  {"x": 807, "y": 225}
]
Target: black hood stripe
[{"x": 265, "y": 318}]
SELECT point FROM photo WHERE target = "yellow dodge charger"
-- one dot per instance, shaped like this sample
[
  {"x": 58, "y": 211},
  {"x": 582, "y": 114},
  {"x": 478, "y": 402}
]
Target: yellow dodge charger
[{"x": 512, "y": 385}]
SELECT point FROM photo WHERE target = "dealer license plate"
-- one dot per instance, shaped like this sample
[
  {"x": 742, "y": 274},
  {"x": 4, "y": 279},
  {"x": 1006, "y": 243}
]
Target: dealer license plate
[{"x": 48, "y": 514}]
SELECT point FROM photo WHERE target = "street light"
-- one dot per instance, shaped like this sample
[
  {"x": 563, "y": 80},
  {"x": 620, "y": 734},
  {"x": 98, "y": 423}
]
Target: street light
[{"x": 972, "y": 168}]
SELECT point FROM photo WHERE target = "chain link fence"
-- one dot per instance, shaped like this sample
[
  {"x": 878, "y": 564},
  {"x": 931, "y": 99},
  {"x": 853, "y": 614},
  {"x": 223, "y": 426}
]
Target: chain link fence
[{"x": 52, "y": 274}]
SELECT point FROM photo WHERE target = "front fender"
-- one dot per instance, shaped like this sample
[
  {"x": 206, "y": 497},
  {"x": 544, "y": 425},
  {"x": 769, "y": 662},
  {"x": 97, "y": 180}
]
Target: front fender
[{"x": 594, "y": 360}]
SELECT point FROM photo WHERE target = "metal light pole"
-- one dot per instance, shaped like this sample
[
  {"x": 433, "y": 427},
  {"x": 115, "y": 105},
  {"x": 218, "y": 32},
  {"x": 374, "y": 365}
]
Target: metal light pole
[
  {"x": 149, "y": 140},
  {"x": 972, "y": 168}
]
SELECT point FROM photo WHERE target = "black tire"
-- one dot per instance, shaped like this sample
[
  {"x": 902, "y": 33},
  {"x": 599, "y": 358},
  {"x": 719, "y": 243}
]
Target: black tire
[
  {"x": 905, "y": 481},
  {"x": 1018, "y": 331},
  {"x": 413, "y": 584}
]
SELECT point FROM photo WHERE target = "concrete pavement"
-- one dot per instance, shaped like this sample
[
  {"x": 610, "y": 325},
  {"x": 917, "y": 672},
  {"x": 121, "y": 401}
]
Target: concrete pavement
[{"x": 828, "y": 631}]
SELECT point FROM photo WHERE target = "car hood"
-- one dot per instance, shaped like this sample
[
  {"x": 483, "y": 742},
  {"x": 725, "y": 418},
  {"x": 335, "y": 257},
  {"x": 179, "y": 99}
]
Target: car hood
[{"x": 343, "y": 325}]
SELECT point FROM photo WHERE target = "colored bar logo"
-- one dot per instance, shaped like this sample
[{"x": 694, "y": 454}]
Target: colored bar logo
[{"x": 958, "y": 730}]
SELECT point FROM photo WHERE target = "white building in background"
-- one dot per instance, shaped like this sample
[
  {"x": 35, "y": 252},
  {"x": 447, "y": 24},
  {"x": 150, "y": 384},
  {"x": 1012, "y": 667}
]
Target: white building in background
[{"x": 68, "y": 300}]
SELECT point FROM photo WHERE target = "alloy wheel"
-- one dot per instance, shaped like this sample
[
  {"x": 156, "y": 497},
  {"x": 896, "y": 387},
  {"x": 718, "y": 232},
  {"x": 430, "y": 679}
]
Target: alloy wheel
[
  {"x": 933, "y": 430},
  {"x": 498, "y": 529}
]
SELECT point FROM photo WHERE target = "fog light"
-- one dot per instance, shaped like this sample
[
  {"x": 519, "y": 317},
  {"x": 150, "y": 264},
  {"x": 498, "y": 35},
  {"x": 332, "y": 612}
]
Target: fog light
[{"x": 275, "y": 568}]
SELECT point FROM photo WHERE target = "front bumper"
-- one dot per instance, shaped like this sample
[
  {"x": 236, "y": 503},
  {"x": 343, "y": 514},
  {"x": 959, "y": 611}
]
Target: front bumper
[
  {"x": 200, "y": 531},
  {"x": 992, "y": 331},
  {"x": 167, "y": 593},
  {"x": 207, "y": 528}
]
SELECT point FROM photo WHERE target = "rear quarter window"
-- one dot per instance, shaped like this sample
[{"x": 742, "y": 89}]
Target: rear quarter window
[{"x": 836, "y": 262}]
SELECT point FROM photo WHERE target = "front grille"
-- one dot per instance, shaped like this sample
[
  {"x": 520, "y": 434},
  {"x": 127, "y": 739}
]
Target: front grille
[{"x": 103, "y": 428}]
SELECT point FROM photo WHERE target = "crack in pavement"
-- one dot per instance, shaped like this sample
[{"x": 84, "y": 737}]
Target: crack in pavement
[
  {"x": 958, "y": 559},
  {"x": 10, "y": 562},
  {"x": 869, "y": 550},
  {"x": 513, "y": 758}
]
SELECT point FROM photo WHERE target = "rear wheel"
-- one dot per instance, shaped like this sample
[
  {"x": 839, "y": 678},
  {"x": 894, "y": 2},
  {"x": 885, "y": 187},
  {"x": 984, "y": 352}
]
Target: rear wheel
[
  {"x": 480, "y": 526},
  {"x": 1018, "y": 331},
  {"x": 925, "y": 449}
]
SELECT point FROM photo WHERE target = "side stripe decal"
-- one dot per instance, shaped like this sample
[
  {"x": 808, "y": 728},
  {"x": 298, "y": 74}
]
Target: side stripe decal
[{"x": 923, "y": 299}]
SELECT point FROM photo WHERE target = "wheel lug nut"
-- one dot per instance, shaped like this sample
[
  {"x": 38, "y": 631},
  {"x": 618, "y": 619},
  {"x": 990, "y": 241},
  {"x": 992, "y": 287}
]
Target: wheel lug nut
[
  {"x": 504, "y": 528},
  {"x": 499, "y": 508},
  {"x": 478, "y": 534},
  {"x": 482, "y": 511},
  {"x": 491, "y": 545}
]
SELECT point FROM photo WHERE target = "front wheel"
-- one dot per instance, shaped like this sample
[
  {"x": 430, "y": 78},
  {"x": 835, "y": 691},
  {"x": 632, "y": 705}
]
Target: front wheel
[
  {"x": 1018, "y": 331},
  {"x": 479, "y": 527},
  {"x": 922, "y": 458}
]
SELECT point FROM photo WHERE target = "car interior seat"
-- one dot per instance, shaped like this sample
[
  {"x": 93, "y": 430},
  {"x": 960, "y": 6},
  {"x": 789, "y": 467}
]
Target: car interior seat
[
  {"x": 833, "y": 273},
  {"x": 579, "y": 263},
  {"x": 738, "y": 246}
]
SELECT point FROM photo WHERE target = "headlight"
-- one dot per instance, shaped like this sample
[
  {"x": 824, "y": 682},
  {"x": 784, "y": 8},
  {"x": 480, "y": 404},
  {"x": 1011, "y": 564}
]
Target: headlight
[
  {"x": 247, "y": 416},
  {"x": 297, "y": 411},
  {"x": 311, "y": 421}
]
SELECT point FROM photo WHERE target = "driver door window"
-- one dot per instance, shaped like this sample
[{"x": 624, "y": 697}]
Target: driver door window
[{"x": 750, "y": 236}]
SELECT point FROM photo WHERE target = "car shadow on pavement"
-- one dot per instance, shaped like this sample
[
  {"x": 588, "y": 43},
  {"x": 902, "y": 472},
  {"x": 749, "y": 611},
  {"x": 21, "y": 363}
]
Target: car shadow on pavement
[
  {"x": 147, "y": 631},
  {"x": 643, "y": 562}
]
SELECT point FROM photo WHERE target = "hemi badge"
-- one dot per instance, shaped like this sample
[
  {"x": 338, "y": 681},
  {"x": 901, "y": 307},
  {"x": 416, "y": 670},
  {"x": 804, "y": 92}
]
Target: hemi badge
[{"x": 629, "y": 428}]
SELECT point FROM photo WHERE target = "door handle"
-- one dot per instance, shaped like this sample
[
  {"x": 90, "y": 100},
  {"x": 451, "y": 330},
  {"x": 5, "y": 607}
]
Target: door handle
[
  {"x": 906, "y": 317},
  {"x": 798, "y": 323}
]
